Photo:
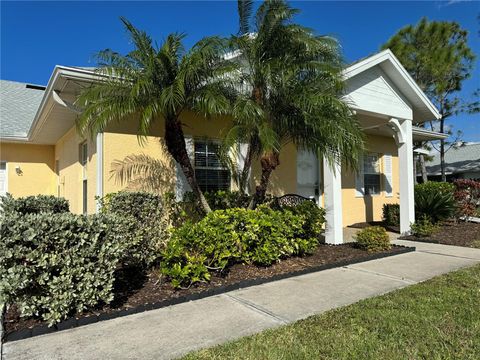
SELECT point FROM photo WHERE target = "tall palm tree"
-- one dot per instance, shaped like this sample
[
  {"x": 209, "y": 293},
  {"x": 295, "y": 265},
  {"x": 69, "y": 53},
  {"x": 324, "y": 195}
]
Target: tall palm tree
[
  {"x": 153, "y": 83},
  {"x": 292, "y": 91}
]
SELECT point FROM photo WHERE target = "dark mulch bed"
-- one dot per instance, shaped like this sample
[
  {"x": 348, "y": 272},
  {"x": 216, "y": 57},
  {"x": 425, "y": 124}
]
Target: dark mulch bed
[
  {"x": 461, "y": 234},
  {"x": 134, "y": 288},
  {"x": 363, "y": 225}
]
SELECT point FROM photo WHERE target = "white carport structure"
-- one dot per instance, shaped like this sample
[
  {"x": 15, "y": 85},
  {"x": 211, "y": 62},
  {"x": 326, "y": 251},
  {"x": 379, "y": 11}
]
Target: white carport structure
[{"x": 380, "y": 88}]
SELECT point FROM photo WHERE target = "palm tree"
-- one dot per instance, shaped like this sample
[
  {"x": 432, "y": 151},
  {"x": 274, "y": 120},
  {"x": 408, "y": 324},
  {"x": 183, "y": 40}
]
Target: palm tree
[
  {"x": 153, "y": 83},
  {"x": 292, "y": 87}
]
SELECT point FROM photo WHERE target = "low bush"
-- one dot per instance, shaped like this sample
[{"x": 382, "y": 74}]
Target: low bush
[
  {"x": 423, "y": 227},
  {"x": 467, "y": 196},
  {"x": 222, "y": 200},
  {"x": 435, "y": 200},
  {"x": 145, "y": 226},
  {"x": 53, "y": 265},
  {"x": 224, "y": 237},
  {"x": 373, "y": 239},
  {"x": 391, "y": 214},
  {"x": 34, "y": 204},
  {"x": 313, "y": 216}
]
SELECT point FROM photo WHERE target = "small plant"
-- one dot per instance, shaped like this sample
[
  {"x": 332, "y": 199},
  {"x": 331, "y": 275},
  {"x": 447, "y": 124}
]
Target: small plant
[
  {"x": 434, "y": 200},
  {"x": 391, "y": 214},
  {"x": 33, "y": 204},
  {"x": 313, "y": 216},
  {"x": 424, "y": 227},
  {"x": 373, "y": 239}
]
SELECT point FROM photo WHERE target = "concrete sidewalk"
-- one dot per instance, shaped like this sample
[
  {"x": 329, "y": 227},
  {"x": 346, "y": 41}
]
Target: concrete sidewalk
[{"x": 174, "y": 331}]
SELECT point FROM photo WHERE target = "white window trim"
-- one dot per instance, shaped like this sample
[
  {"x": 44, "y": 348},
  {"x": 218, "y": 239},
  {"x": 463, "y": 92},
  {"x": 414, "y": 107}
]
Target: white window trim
[
  {"x": 380, "y": 173},
  {"x": 6, "y": 176}
]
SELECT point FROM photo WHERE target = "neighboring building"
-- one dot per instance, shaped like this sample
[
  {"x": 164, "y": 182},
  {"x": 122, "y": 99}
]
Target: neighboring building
[
  {"x": 461, "y": 162},
  {"x": 41, "y": 152}
]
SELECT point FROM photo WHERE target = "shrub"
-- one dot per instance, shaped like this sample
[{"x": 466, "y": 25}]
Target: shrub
[
  {"x": 145, "y": 226},
  {"x": 222, "y": 200},
  {"x": 423, "y": 227},
  {"x": 34, "y": 204},
  {"x": 467, "y": 196},
  {"x": 434, "y": 200},
  {"x": 391, "y": 214},
  {"x": 52, "y": 265},
  {"x": 373, "y": 239},
  {"x": 313, "y": 216},
  {"x": 224, "y": 237}
]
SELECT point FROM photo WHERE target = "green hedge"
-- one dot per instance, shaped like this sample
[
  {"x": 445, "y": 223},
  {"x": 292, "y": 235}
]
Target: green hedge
[
  {"x": 373, "y": 239},
  {"x": 146, "y": 225},
  {"x": 391, "y": 214},
  {"x": 224, "y": 237},
  {"x": 34, "y": 204},
  {"x": 53, "y": 265}
]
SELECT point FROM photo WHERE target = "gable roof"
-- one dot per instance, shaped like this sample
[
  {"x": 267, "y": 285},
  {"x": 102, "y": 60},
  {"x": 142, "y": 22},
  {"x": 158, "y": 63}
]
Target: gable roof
[
  {"x": 423, "y": 109},
  {"x": 18, "y": 105},
  {"x": 458, "y": 160}
]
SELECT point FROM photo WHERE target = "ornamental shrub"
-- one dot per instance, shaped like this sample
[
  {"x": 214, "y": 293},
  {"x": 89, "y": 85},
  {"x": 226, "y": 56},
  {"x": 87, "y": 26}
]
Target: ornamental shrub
[
  {"x": 435, "y": 200},
  {"x": 53, "y": 265},
  {"x": 224, "y": 237},
  {"x": 222, "y": 200},
  {"x": 313, "y": 216},
  {"x": 34, "y": 204},
  {"x": 423, "y": 227},
  {"x": 373, "y": 239},
  {"x": 145, "y": 226},
  {"x": 391, "y": 214},
  {"x": 467, "y": 197}
]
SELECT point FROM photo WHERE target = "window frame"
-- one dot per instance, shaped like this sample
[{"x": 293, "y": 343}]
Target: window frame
[
  {"x": 6, "y": 176},
  {"x": 206, "y": 167},
  {"x": 377, "y": 173}
]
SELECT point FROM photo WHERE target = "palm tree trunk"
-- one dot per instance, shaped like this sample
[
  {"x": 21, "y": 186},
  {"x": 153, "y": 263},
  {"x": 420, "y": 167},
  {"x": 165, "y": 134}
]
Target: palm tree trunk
[
  {"x": 269, "y": 162},
  {"x": 175, "y": 141},
  {"x": 423, "y": 168},
  {"x": 245, "y": 172}
]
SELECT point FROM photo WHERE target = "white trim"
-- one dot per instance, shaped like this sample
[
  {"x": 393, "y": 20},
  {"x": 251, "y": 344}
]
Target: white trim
[
  {"x": 388, "y": 174},
  {"x": 332, "y": 180},
  {"x": 387, "y": 55},
  {"x": 398, "y": 132},
  {"x": 99, "y": 180},
  {"x": 6, "y": 177},
  {"x": 407, "y": 200},
  {"x": 434, "y": 135}
]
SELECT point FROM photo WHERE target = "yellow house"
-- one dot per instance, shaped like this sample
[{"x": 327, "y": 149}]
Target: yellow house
[{"x": 41, "y": 152}]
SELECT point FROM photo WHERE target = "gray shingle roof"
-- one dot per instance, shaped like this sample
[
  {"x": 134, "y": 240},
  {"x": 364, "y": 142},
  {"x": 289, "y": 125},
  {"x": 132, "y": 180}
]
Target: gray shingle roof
[
  {"x": 457, "y": 160},
  {"x": 18, "y": 106}
]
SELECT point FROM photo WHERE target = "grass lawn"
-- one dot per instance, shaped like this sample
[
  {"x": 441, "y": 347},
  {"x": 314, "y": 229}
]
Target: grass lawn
[{"x": 438, "y": 319}]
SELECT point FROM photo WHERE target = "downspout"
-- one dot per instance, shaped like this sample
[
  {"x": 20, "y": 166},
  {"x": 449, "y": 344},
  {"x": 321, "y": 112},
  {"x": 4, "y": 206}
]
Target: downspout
[{"x": 99, "y": 182}]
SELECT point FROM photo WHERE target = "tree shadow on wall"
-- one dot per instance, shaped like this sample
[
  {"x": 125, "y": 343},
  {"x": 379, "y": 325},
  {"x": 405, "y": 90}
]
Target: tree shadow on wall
[{"x": 142, "y": 172}]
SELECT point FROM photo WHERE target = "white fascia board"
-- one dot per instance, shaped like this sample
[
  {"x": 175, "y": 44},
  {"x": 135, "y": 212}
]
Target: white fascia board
[
  {"x": 387, "y": 55},
  {"x": 59, "y": 73},
  {"x": 434, "y": 135}
]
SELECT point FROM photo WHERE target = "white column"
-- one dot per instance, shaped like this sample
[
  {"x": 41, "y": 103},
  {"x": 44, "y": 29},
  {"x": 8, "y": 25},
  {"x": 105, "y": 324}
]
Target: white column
[
  {"x": 332, "y": 186},
  {"x": 99, "y": 178},
  {"x": 407, "y": 200}
]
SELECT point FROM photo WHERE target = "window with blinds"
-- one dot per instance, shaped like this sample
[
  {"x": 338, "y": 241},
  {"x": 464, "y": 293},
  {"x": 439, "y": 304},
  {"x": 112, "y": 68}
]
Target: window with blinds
[
  {"x": 371, "y": 174},
  {"x": 210, "y": 173}
]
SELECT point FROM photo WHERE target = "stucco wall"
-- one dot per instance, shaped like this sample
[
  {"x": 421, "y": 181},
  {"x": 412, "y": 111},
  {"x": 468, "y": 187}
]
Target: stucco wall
[
  {"x": 369, "y": 208},
  {"x": 70, "y": 171},
  {"x": 36, "y": 164},
  {"x": 120, "y": 141}
]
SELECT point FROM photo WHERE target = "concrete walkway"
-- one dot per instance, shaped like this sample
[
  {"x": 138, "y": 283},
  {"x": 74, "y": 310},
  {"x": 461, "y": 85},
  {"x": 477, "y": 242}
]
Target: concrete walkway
[{"x": 171, "y": 332}]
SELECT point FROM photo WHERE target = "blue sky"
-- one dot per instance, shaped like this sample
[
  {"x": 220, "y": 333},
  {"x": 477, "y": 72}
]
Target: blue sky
[{"x": 36, "y": 36}]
